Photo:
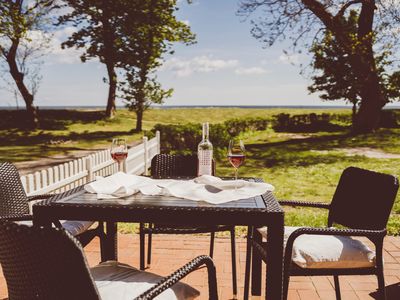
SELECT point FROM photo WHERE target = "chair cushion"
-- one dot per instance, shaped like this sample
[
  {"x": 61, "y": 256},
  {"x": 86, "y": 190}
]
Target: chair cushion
[
  {"x": 73, "y": 227},
  {"x": 327, "y": 251},
  {"x": 120, "y": 281},
  {"x": 76, "y": 227}
]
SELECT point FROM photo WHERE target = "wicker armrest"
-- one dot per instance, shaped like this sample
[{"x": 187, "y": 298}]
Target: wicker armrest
[
  {"x": 304, "y": 204},
  {"x": 170, "y": 280},
  {"x": 39, "y": 197},
  {"x": 337, "y": 231}
]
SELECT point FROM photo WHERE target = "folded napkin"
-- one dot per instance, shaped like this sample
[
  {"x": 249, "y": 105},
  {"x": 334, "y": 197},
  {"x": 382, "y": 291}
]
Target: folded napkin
[
  {"x": 204, "y": 188},
  {"x": 119, "y": 185}
]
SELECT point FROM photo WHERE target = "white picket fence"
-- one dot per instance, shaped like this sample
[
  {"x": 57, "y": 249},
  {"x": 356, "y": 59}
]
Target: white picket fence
[{"x": 80, "y": 171}]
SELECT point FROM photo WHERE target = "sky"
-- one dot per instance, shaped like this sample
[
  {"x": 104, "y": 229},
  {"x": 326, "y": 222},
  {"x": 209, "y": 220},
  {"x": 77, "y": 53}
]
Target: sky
[{"x": 227, "y": 66}]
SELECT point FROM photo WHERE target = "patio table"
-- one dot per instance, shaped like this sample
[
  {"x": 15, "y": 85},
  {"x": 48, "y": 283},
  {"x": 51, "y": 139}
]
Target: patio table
[{"x": 264, "y": 210}]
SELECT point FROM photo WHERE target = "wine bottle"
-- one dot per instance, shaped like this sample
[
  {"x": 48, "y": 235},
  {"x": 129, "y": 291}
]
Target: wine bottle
[{"x": 205, "y": 153}]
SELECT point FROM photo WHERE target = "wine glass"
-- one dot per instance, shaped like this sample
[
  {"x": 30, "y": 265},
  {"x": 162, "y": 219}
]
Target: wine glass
[
  {"x": 236, "y": 156},
  {"x": 119, "y": 152}
]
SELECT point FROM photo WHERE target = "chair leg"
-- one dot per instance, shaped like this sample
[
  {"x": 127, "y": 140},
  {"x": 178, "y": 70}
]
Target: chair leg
[
  {"x": 212, "y": 244},
  {"x": 337, "y": 287},
  {"x": 102, "y": 237},
  {"x": 248, "y": 261},
  {"x": 286, "y": 279},
  {"x": 381, "y": 285},
  {"x": 149, "y": 241},
  {"x": 379, "y": 266},
  {"x": 142, "y": 245},
  {"x": 233, "y": 254}
]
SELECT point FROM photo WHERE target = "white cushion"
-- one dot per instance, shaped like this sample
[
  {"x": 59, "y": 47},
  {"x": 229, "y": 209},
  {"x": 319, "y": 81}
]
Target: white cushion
[
  {"x": 73, "y": 227},
  {"x": 119, "y": 281},
  {"x": 327, "y": 251}
]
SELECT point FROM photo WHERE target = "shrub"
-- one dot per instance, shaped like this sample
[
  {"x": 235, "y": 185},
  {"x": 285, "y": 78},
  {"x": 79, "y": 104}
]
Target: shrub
[
  {"x": 236, "y": 126},
  {"x": 184, "y": 138},
  {"x": 303, "y": 123}
]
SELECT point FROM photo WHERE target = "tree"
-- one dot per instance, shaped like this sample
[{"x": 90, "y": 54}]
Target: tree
[
  {"x": 148, "y": 34},
  {"x": 97, "y": 21},
  {"x": 336, "y": 78},
  {"x": 20, "y": 50},
  {"x": 305, "y": 19},
  {"x": 139, "y": 96}
]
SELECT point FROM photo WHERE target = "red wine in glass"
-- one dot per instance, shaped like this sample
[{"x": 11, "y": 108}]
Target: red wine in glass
[
  {"x": 119, "y": 156},
  {"x": 236, "y": 160},
  {"x": 119, "y": 152},
  {"x": 236, "y": 155}
]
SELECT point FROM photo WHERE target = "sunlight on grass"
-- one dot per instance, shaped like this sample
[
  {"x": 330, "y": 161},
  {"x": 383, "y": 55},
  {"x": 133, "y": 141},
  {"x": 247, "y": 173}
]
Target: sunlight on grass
[{"x": 301, "y": 166}]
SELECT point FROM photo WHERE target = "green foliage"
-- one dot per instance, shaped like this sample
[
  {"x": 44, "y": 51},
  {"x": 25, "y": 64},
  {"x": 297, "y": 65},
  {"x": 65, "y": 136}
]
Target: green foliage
[
  {"x": 97, "y": 24},
  {"x": 313, "y": 122},
  {"x": 304, "y": 123},
  {"x": 138, "y": 97},
  {"x": 184, "y": 138},
  {"x": 236, "y": 126}
]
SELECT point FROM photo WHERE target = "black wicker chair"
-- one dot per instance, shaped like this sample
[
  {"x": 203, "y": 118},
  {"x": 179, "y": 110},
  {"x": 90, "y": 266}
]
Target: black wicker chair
[
  {"x": 361, "y": 204},
  {"x": 49, "y": 263},
  {"x": 14, "y": 206},
  {"x": 175, "y": 166}
]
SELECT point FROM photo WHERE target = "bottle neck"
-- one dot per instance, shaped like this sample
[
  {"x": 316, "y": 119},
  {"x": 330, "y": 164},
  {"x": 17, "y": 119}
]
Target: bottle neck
[{"x": 205, "y": 131}]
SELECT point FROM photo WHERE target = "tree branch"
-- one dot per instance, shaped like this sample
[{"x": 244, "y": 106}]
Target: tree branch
[
  {"x": 321, "y": 12},
  {"x": 346, "y": 6}
]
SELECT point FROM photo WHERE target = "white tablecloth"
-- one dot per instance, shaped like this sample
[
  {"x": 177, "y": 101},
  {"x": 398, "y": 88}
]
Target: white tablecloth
[{"x": 204, "y": 188}]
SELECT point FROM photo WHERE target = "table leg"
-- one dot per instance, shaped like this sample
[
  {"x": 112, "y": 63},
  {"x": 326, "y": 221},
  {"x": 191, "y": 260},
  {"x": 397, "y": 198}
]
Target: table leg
[
  {"x": 248, "y": 262},
  {"x": 274, "y": 276},
  {"x": 256, "y": 266},
  {"x": 111, "y": 242}
]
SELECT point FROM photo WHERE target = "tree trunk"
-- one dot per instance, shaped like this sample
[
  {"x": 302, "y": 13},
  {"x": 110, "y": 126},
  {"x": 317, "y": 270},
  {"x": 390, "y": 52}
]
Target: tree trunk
[
  {"x": 109, "y": 57},
  {"x": 372, "y": 98},
  {"x": 32, "y": 115},
  {"x": 353, "y": 113},
  {"x": 372, "y": 102},
  {"x": 112, "y": 79},
  {"x": 139, "y": 119}
]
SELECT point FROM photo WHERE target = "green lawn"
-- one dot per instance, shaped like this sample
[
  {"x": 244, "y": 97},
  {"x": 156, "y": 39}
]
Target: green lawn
[
  {"x": 309, "y": 168},
  {"x": 301, "y": 166}
]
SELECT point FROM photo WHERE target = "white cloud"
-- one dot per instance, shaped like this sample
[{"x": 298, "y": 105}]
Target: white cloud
[
  {"x": 199, "y": 64},
  {"x": 67, "y": 55},
  {"x": 186, "y": 22},
  {"x": 251, "y": 71}
]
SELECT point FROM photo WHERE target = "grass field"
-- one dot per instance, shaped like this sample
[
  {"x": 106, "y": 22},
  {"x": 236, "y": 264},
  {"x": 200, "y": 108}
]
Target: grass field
[{"x": 303, "y": 166}]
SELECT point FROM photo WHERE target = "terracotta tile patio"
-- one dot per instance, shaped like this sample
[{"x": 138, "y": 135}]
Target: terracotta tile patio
[{"x": 170, "y": 252}]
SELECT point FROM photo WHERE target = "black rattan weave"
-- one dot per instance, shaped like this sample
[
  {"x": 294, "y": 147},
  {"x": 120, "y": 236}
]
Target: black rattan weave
[
  {"x": 14, "y": 202},
  {"x": 43, "y": 263},
  {"x": 48, "y": 263},
  {"x": 175, "y": 166},
  {"x": 362, "y": 203}
]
